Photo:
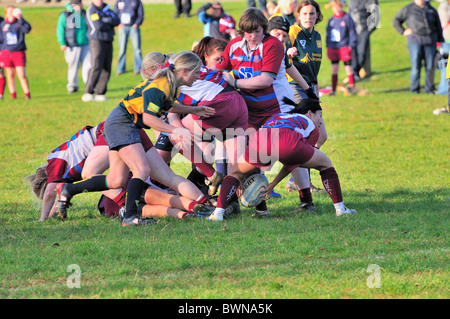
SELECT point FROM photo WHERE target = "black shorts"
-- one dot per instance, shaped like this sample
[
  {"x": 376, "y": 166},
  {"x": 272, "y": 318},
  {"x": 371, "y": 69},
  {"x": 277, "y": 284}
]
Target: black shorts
[{"x": 163, "y": 143}]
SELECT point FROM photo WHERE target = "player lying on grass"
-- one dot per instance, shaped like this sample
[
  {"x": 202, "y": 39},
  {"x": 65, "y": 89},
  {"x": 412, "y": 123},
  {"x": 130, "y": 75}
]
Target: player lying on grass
[
  {"x": 158, "y": 203},
  {"x": 84, "y": 155},
  {"x": 288, "y": 138}
]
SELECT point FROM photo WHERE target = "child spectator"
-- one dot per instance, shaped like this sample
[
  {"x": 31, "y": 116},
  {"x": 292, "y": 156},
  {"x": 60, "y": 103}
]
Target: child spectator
[
  {"x": 217, "y": 23},
  {"x": 13, "y": 58},
  {"x": 340, "y": 37}
]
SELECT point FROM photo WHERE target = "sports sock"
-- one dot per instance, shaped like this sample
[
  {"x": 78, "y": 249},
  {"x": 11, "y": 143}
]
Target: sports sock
[
  {"x": 351, "y": 81},
  {"x": 196, "y": 177},
  {"x": 227, "y": 192},
  {"x": 121, "y": 198},
  {"x": 261, "y": 206},
  {"x": 330, "y": 181},
  {"x": 2, "y": 85},
  {"x": 134, "y": 191},
  {"x": 14, "y": 95},
  {"x": 305, "y": 195},
  {"x": 28, "y": 95},
  {"x": 195, "y": 156},
  {"x": 93, "y": 184},
  {"x": 334, "y": 80}
]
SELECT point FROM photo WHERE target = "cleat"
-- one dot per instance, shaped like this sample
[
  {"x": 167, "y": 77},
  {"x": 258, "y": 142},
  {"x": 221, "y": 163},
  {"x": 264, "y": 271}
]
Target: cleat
[
  {"x": 62, "y": 205},
  {"x": 305, "y": 207},
  {"x": 100, "y": 98},
  {"x": 290, "y": 185},
  {"x": 137, "y": 220},
  {"x": 214, "y": 183},
  {"x": 87, "y": 97},
  {"x": 232, "y": 209},
  {"x": 201, "y": 210},
  {"x": 441, "y": 110},
  {"x": 261, "y": 214},
  {"x": 314, "y": 189},
  {"x": 346, "y": 211},
  {"x": 275, "y": 195}
]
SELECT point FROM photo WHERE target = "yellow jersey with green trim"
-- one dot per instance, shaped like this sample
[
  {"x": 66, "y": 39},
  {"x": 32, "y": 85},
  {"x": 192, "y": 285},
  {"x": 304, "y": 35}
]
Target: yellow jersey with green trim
[
  {"x": 148, "y": 97},
  {"x": 309, "y": 52}
]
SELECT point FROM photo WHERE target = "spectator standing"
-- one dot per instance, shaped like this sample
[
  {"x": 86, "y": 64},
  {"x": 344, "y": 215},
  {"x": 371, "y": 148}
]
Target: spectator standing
[
  {"x": 183, "y": 6},
  {"x": 13, "y": 58},
  {"x": 286, "y": 9},
  {"x": 2, "y": 73},
  {"x": 262, "y": 6},
  {"x": 366, "y": 20},
  {"x": 444, "y": 16},
  {"x": 217, "y": 23},
  {"x": 71, "y": 33},
  {"x": 341, "y": 38},
  {"x": 101, "y": 21},
  {"x": 131, "y": 15},
  {"x": 423, "y": 31}
]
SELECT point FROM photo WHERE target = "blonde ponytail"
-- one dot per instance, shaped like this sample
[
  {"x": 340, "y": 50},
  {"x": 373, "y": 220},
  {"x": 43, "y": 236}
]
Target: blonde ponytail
[{"x": 183, "y": 60}]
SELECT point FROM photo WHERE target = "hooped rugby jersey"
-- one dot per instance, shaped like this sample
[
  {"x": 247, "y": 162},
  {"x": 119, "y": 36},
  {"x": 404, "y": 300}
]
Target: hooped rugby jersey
[
  {"x": 245, "y": 63},
  {"x": 298, "y": 122},
  {"x": 309, "y": 52},
  {"x": 147, "y": 97},
  {"x": 67, "y": 160},
  {"x": 203, "y": 90}
]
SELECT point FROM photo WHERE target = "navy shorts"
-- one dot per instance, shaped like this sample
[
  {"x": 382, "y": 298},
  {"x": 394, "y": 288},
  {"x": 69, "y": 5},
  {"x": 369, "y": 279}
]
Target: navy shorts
[
  {"x": 163, "y": 142},
  {"x": 120, "y": 130}
]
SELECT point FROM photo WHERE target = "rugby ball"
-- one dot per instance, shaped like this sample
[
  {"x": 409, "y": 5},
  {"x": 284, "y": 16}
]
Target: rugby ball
[{"x": 251, "y": 190}]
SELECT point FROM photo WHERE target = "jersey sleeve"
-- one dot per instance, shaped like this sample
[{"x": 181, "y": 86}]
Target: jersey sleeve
[
  {"x": 154, "y": 101},
  {"x": 313, "y": 137},
  {"x": 272, "y": 56}
]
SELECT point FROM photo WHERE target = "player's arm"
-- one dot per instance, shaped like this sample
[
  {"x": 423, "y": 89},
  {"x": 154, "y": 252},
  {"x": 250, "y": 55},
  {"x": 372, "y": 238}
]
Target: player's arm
[
  {"x": 258, "y": 82},
  {"x": 48, "y": 207},
  {"x": 280, "y": 176},
  {"x": 203, "y": 111}
]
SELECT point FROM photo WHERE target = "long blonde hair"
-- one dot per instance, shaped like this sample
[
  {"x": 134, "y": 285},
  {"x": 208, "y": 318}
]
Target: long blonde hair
[
  {"x": 152, "y": 62},
  {"x": 38, "y": 181},
  {"x": 183, "y": 60}
]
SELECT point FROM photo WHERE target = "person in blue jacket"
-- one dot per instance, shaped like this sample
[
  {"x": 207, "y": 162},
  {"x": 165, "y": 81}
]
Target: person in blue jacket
[
  {"x": 13, "y": 58},
  {"x": 341, "y": 37},
  {"x": 131, "y": 15},
  {"x": 217, "y": 23},
  {"x": 101, "y": 21}
]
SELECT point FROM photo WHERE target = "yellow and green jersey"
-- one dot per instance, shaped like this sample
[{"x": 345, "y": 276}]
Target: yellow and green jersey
[
  {"x": 309, "y": 52},
  {"x": 148, "y": 97}
]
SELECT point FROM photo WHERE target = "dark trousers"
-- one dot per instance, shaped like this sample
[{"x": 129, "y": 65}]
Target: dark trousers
[
  {"x": 183, "y": 6},
  {"x": 360, "y": 51},
  {"x": 101, "y": 60}
]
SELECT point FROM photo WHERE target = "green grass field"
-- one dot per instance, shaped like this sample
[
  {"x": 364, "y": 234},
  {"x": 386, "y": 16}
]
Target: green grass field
[{"x": 391, "y": 153}]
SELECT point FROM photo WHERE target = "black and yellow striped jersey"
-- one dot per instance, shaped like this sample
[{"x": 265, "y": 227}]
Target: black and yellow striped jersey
[{"x": 148, "y": 97}]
